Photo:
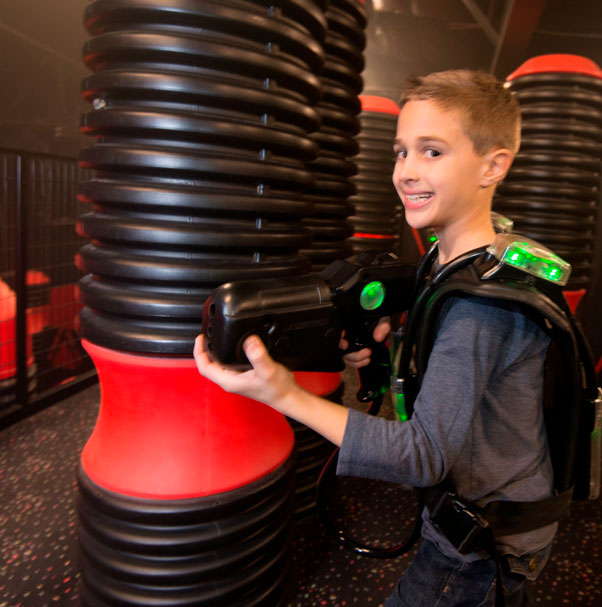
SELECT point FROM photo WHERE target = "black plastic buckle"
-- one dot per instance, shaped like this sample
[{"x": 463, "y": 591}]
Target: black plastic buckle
[{"x": 458, "y": 521}]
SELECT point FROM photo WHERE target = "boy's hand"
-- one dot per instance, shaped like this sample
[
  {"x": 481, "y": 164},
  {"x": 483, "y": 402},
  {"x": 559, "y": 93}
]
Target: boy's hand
[
  {"x": 361, "y": 358},
  {"x": 268, "y": 382},
  {"x": 274, "y": 385}
]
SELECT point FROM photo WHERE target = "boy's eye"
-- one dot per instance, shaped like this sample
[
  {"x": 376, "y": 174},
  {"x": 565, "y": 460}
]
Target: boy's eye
[
  {"x": 401, "y": 153},
  {"x": 432, "y": 153}
]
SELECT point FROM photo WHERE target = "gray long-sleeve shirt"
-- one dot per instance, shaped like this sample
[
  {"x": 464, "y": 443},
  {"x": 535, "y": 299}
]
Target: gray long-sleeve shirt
[{"x": 477, "y": 421}]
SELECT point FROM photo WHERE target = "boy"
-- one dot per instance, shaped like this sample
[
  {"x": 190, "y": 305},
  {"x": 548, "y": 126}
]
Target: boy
[{"x": 478, "y": 420}]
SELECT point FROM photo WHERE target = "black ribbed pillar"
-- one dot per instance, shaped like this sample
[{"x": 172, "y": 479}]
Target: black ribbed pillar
[
  {"x": 331, "y": 231},
  {"x": 338, "y": 108},
  {"x": 201, "y": 116},
  {"x": 378, "y": 213},
  {"x": 552, "y": 191}
]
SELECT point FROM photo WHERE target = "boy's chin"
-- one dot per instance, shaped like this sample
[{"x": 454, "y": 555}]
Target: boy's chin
[{"x": 417, "y": 223}]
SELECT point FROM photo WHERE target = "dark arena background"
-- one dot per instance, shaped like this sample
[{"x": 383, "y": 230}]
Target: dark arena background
[{"x": 151, "y": 150}]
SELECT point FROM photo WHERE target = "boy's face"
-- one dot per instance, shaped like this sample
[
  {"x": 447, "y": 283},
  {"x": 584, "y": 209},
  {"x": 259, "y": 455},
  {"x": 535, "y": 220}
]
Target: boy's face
[{"x": 437, "y": 173}]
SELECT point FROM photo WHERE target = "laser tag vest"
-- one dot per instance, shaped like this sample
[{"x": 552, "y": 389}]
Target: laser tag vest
[{"x": 517, "y": 269}]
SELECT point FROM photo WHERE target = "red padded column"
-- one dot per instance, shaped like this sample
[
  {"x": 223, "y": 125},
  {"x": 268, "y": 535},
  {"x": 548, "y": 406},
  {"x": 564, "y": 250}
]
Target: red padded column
[{"x": 166, "y": 432}]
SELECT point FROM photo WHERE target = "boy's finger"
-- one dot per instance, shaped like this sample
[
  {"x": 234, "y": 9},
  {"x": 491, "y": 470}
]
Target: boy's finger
[
  {"x": 382, "y": 329},
  {"x": 201, "y": 358},
  {"x": 265, "y": 367},
  {"x": 358, "y": 359},
  {"x": 358, "y": 364},
  {"x": 358, "y": 354},
  {"x": 256, "y": 351},
  {"x": 199, "y": 352},
  {"x": 212, "y": 371}
]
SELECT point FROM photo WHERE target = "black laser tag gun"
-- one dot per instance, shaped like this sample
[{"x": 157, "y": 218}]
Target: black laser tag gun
[{"x": 300, "y": 319}]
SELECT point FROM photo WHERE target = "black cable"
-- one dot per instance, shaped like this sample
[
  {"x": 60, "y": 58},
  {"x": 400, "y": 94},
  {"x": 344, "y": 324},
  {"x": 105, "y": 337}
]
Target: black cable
[
  {"x": 326, "y": 478},
  {"x": 328, "y": 472}
]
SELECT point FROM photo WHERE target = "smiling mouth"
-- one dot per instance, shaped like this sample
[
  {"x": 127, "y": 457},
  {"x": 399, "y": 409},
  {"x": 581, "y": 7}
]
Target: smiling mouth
[{"x": 415, "y": 201}]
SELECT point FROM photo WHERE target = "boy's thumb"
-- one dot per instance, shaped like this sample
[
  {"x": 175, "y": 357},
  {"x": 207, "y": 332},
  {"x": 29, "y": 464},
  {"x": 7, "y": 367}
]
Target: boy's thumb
[{"x": 255, "y": 350}]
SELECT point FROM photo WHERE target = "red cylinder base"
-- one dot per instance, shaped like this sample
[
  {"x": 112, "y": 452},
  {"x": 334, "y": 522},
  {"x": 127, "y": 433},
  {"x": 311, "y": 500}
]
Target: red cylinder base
[
  {"x": 573, "y": 298},
  {"x": 164, "y": 431},
  {"x": 557, "y": 62}
]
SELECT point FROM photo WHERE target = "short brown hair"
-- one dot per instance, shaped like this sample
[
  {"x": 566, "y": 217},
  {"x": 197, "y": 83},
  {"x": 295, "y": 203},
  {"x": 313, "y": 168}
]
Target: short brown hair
[{"x": 491, "y": 115}]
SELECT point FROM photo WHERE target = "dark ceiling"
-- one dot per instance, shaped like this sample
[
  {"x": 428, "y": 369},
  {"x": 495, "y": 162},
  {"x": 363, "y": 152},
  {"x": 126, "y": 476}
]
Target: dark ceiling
[
  {"x": 41, "y": 41},
  {"x": 420, "y": 36}
]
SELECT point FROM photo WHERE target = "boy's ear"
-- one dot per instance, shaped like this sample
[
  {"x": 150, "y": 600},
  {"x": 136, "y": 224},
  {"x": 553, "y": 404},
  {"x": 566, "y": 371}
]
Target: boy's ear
[{"x": 498, "y": 163}]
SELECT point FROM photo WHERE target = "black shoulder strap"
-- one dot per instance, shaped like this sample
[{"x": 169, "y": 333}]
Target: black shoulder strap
[
  {"x": 427, "y": 283},
  {"x": 468, "y": 282},
  {"x": 569, "y": 413}
]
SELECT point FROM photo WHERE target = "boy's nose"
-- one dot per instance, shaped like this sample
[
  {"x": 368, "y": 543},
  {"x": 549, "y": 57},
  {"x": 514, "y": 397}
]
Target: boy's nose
[{"x": 405, "y": 171}]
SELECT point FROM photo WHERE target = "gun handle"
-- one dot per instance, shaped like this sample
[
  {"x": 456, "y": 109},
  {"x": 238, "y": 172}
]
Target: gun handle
[{"x": 375, "y": 377}]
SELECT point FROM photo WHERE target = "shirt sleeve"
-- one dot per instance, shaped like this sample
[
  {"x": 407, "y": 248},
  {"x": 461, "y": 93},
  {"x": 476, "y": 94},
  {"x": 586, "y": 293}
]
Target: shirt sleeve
[{"x": 476, "y": 340}]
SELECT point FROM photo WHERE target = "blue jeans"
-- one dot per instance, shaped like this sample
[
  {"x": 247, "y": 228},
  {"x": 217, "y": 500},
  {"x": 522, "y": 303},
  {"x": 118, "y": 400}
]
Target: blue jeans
[{"x": 436, "y": 580}]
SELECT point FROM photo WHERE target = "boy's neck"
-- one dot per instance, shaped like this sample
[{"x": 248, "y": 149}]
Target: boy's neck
[
  {"x": 468, "y": 244},
  {"x": 454, "y": 240}
]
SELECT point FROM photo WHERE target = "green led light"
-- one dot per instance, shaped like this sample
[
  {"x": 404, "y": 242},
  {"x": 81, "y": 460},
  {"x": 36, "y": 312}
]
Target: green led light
[
  {"x": 372, "y": 295},
  {"x": 531, "y": 257},
  {"x": 399, "y": 405},
  {"x": 433, "y": 238},
  {"x": 518, "y": 255}
]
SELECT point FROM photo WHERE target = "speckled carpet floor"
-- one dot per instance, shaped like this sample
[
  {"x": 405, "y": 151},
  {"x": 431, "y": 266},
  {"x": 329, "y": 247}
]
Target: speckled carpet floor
[{"x": 38, "y": 534}]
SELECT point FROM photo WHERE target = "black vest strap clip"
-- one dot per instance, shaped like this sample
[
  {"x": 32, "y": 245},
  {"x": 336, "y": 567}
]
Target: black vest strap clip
[
  {"x": 459, "y": 521},
  {"x": 464, "y": 524},
  {"x": 507, "y": 518}
]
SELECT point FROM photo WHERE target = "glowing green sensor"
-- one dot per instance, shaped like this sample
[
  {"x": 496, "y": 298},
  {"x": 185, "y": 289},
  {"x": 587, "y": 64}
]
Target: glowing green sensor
[
  {"x": 431, "y": 235},
  {"x": 373, "y": 295},
  {"x": 399, "y": 408},
  {"x": 531, "y": 257}
]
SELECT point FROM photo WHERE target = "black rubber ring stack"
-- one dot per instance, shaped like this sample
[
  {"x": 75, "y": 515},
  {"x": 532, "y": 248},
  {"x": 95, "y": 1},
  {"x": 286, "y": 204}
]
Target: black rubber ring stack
[
  {"x": 227, "y": 549},
  {"x": 378, "y": 211},
  {"x": 202, "y": 112},
  {"x": 202, "y": 115},
  {"x": 552, "y": 191},
  {"x": 338, "y": 109}
]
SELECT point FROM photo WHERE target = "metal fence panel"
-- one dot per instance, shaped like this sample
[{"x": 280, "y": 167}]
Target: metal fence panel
[{"x": 40, "y": 352}]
